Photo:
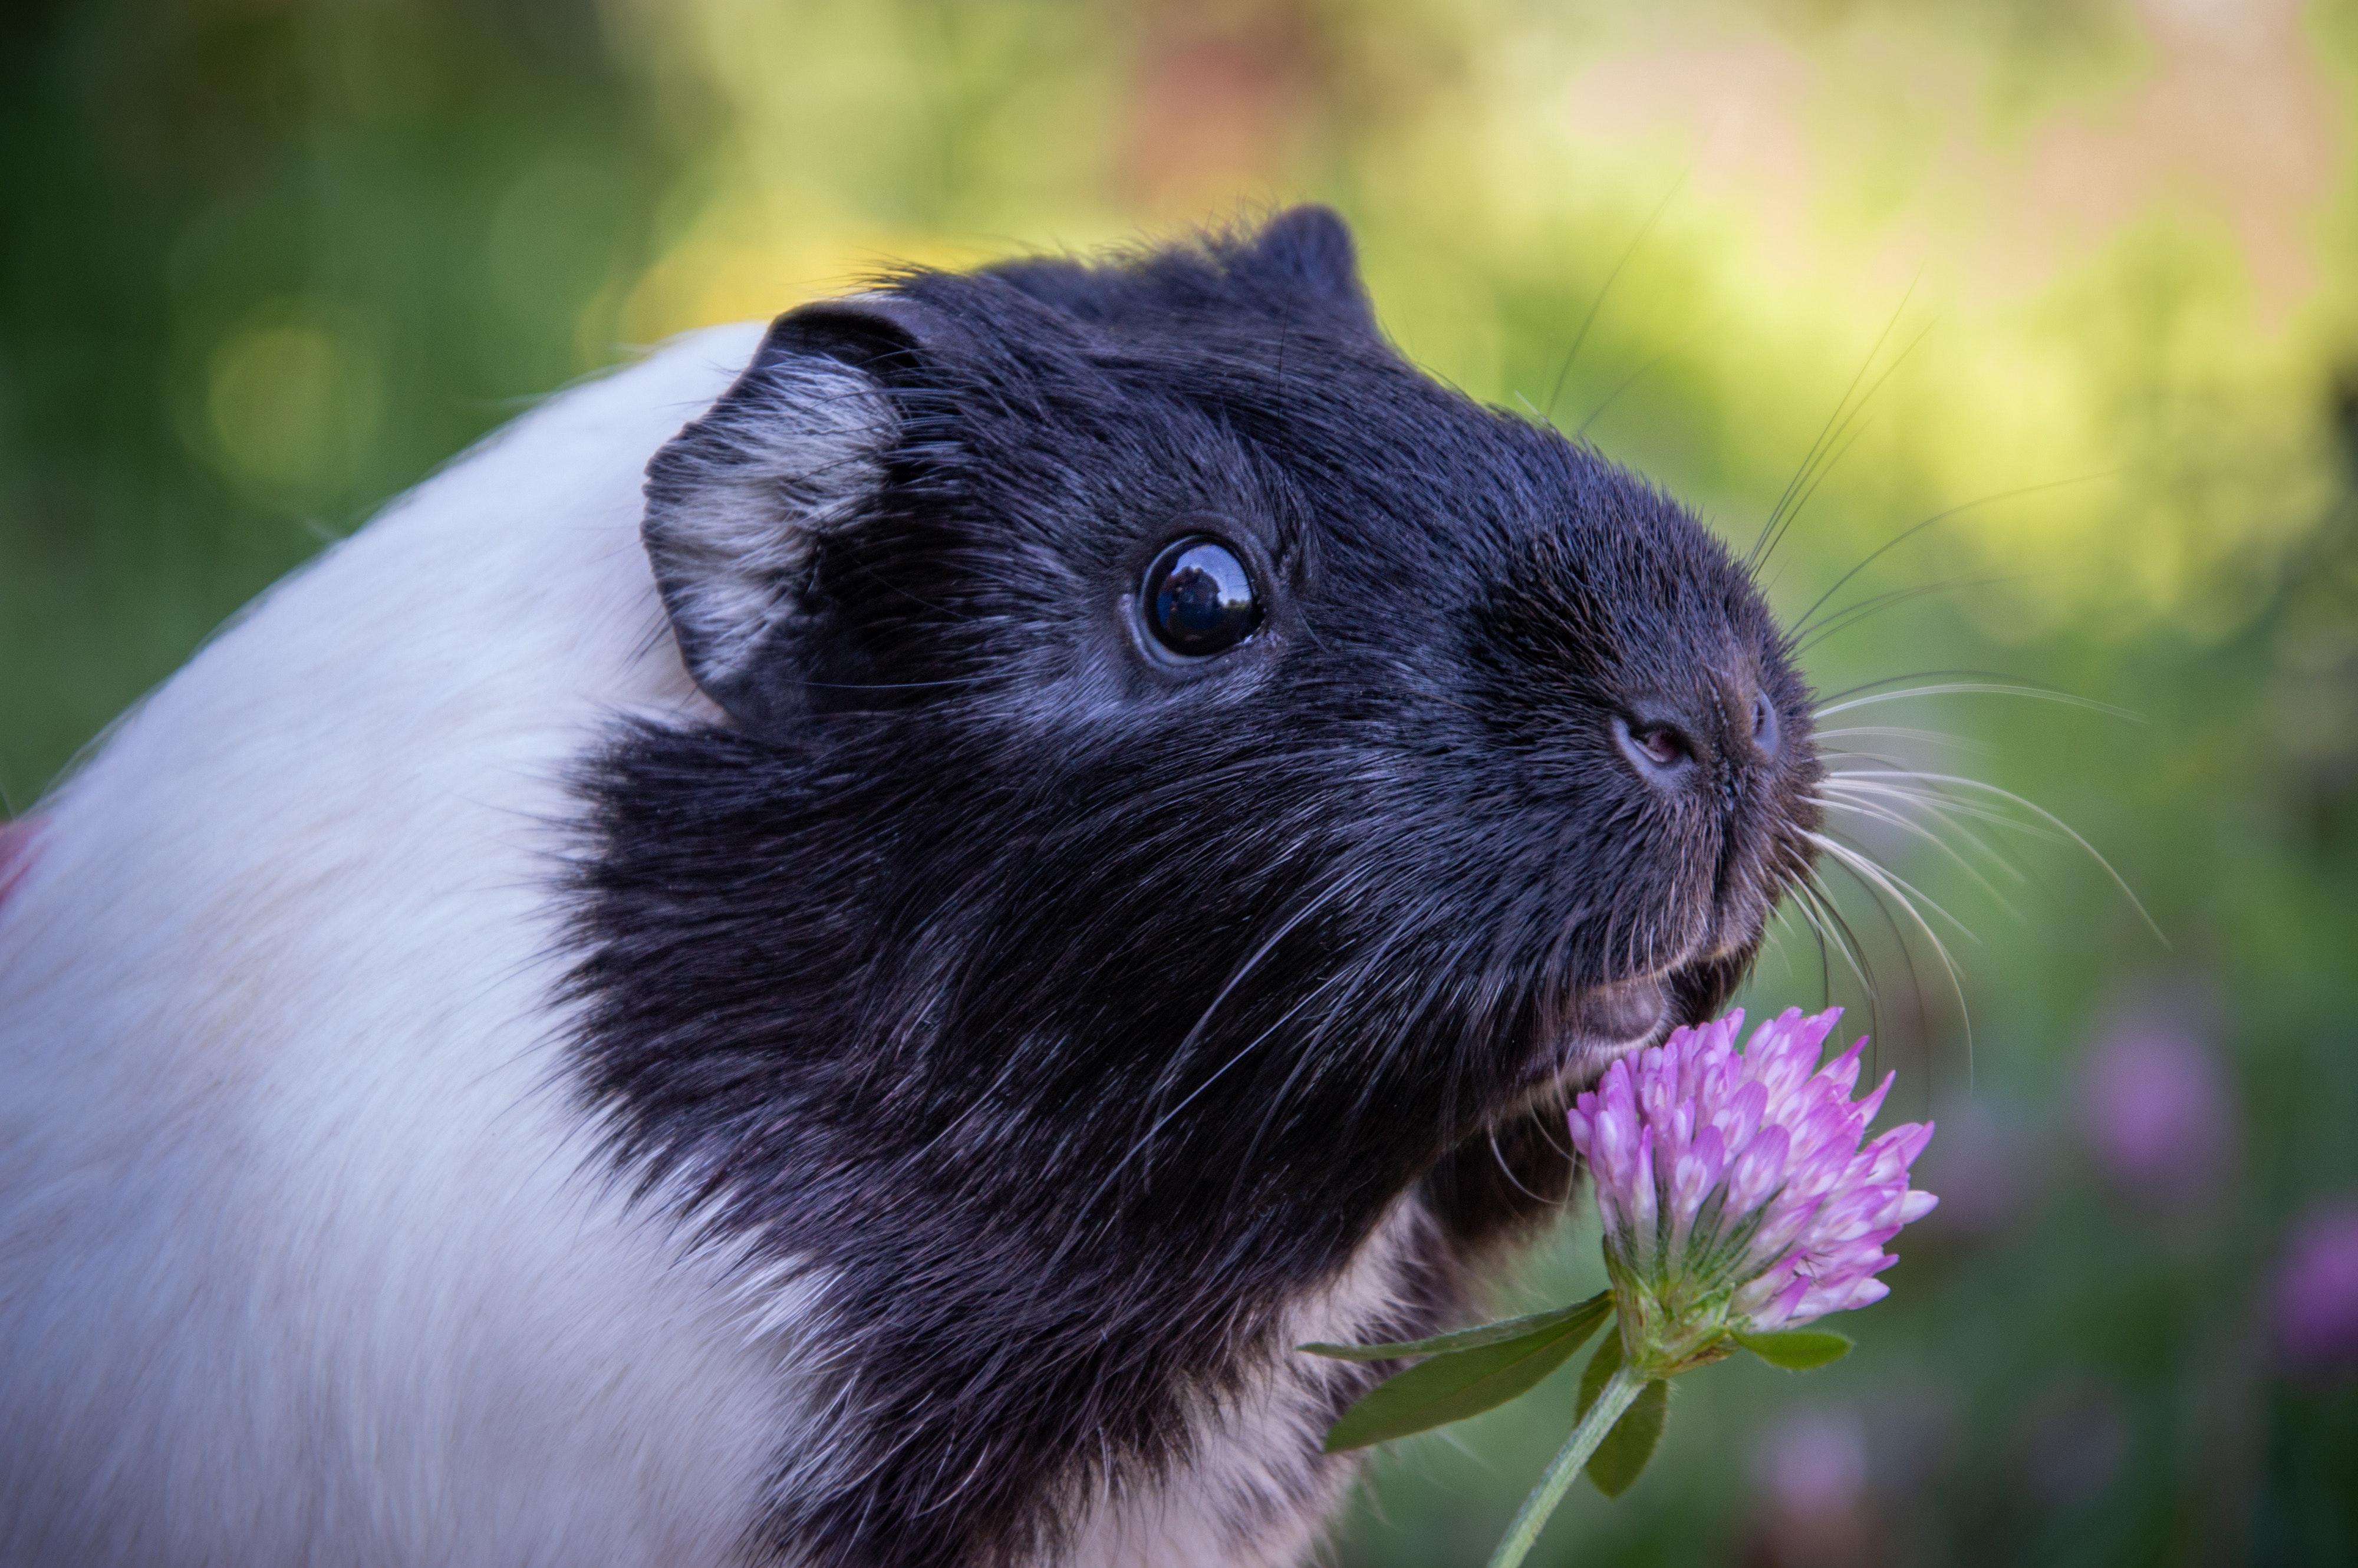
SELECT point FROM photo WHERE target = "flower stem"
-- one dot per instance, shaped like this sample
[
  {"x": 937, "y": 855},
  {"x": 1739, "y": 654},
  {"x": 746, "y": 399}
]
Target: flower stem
[{"x": 1619, "y": 1393}]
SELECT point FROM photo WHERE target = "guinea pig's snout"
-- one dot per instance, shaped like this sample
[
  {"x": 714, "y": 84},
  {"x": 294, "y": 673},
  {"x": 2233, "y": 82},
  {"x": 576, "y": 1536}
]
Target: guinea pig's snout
[{"x": 1668, "y": 741}]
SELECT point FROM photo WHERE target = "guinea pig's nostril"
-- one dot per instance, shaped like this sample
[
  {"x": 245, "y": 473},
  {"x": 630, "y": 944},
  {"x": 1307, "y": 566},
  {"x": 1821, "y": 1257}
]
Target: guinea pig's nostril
[
  {"x": 1764, "y": 724},
  {"x": 1662, "y": 746},
  {"x": 1659, "y": 750}
]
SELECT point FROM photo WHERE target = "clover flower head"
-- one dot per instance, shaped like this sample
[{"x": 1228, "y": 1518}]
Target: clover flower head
[
  {"x": 2316, "y": 1294},
  {"x": 1737, "y": 1194}
]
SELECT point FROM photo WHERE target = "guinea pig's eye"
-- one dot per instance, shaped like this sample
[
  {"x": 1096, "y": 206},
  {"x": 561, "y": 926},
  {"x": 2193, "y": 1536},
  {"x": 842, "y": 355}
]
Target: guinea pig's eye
[{"x": 1198, "y": 598}]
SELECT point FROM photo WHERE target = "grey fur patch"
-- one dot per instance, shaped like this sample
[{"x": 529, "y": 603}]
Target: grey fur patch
[{"x": 735, "y": 500}]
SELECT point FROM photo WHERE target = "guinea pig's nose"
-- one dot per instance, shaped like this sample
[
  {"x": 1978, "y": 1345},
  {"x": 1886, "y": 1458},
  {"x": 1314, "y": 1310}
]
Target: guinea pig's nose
[
  {"x": 1661, "y": 743},
  {"x": 1758, "y": 716},
  {"x": 1732, "y": 724}
]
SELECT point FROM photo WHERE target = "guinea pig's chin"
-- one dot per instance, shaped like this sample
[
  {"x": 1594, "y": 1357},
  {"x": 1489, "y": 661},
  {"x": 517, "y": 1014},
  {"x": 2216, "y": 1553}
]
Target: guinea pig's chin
[{"x": 1604, "y": 1024}]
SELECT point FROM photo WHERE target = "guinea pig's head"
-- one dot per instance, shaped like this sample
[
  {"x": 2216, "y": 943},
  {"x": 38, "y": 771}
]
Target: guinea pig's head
[{"x": 1174, "y": 749}]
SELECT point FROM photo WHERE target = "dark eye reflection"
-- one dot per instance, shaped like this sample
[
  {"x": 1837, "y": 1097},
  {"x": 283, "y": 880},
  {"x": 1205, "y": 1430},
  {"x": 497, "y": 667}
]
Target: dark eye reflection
[{"x": 1198, "y": 598}]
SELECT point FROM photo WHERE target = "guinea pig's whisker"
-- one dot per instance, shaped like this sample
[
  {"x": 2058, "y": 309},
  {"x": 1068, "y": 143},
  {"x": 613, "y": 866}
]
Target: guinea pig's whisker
[
  {"x": 1396, "y": 1040},
  {"x": 1827, "y": 919},
  {"x": 1947, "y": 806},
  {"x": 1902, "y": 732},
  {"x": 1580, "y": 431},
  {"x": 1515, "y": 1181},
  {"x": 1828, "y": 922},
  {"x": 1890, "y": 783},
  {"x": 1934, "y": 812},
  {"x": 1947, "y": 782},
  {"x": 1783, "y": 921},
  {"x": 1912, "y": 826},
  {"x": 1817, "y": 461},
  {"x": 1860, "y": 610},
  {"x": 1146, "y": 1139},
  {"x": 1835, "y": 923},
  {"x": 1968, "y": 688},
  {"x": 1269, "y": 944},
  {"x": 1907, "y": 892},
  {"x": 1884, "y": 883},
  {"x": 1555, "y": 391},
  {"x": 1803, "y": 624},
  {"x": 1853, "y": 951},
  {"x": 1283, "y": 1099},
  {"x": 1833, "y": 462},
  {"x": 1164, "y": 1083},
  {"x": 1541, "y": 1124}
]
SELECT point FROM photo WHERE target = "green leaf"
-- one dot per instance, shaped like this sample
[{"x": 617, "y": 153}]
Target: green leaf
[
  {"x": 1601, "y": 1366},
  {"x": 1453, "y": 1384},
  {"x": 1470, "y": 1339},
  {"x": 1621, "y": 1458},
  {"x": 1796, "y": 1349}
]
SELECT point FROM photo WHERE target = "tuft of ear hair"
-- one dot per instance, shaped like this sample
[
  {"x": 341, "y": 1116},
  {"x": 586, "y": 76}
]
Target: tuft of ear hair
[
  {"x": 1309, "y": 248},
  {"x": 737, "y": 500}
]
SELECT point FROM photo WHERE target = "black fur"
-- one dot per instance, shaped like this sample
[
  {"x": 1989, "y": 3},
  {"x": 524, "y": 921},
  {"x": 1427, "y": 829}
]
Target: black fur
[{"x": 1061, "y": 1013}]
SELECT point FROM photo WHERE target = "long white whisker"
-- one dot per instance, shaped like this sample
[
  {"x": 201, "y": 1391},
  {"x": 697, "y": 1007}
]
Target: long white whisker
[
  {"x": 1513, "y": 1181},
  {"x": 1779, "y": 927},
  {"x": 1910, "y": 825},
  {"x": 1983, "y": 688},
  {"x": 1875, "y": 876},
  {"x": 1821, "y": 916},
  {"x": 1858, "y": 784},
  {"x": 1899, "y": 886},
  {"x": 1786, "y": 917},
  {"x": 1902, "y": 732},
  {"x": 1946, "y": 812},
  {"x": 1960, "y": 782}
]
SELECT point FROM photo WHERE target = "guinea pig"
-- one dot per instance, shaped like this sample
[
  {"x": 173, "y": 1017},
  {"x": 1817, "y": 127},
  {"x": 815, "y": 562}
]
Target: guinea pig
[{"x": 828, "y": 951}]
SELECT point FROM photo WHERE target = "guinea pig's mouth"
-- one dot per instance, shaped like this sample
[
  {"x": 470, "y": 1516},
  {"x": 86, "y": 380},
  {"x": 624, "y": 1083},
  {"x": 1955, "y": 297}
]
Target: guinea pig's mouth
[{"x": 1597, "y": 1026}]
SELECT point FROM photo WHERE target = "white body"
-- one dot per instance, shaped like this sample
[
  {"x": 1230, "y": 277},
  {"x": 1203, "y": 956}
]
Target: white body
[{"x": 302, "y": 1257}]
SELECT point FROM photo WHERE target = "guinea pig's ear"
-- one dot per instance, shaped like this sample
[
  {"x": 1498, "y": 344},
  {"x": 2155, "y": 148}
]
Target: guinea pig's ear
[
  {"x": 737, "y": 500},
  {"x": 1309, "y": 250}
]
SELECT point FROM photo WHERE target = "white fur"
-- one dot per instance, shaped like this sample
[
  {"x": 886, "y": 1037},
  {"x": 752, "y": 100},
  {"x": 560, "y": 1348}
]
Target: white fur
[
  {"x": 298, "y": 1260},
  {"x": 1256, "y": 1460}
]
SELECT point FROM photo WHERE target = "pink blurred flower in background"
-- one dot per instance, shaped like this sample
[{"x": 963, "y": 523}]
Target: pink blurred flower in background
[
  {"x": 1812, "y": 1502},
  {"x": 2315, "y": 1305},
  {"x": 2156, "y": 1110},
  {"x": 1990, "y": 1168}
]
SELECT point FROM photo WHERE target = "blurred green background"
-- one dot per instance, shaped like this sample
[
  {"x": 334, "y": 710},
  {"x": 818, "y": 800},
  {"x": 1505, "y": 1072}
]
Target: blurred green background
[{"x": 2078, "y": 277}]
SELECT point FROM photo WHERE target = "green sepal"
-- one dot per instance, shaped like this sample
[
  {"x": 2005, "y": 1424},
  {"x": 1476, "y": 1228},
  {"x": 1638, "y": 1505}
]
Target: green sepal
[
  {"x": 1796, "y": 1349},
  {"x": 1468, "y": 1339},
  {"x": 1622, "y": 1457},
  {"x": 1459, "y": 1383}
]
